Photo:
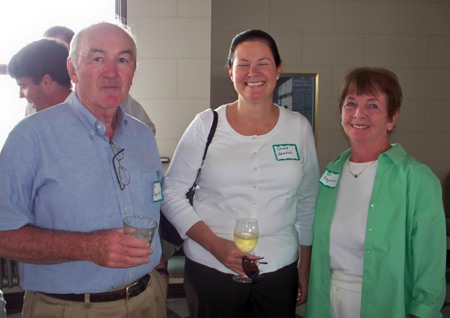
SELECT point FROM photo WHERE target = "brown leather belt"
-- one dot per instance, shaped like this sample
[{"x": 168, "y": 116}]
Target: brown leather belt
[{"x": 131, "y": 290}]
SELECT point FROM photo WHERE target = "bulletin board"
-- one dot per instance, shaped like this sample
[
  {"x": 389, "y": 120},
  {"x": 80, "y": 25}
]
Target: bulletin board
[{"x": 299, "y": 92}]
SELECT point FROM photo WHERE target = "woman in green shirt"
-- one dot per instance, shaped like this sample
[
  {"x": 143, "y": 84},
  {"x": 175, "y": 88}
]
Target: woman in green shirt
[{"x": 379, "y": 231}]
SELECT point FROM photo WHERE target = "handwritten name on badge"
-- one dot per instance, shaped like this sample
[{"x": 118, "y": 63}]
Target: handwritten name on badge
[
  {"x": 329, "y": 179},
  {"x": 157, "y": 192},
  {"x": 286, "y": 152}
]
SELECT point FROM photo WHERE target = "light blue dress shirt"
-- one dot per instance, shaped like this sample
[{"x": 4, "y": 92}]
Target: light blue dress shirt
[{"x": 57, "y": 172}]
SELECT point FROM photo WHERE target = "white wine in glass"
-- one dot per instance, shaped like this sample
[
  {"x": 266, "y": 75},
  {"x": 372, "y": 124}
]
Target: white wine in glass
[
  {"x": 245, "y": 238},
  {"x": 245, "y": 242}
]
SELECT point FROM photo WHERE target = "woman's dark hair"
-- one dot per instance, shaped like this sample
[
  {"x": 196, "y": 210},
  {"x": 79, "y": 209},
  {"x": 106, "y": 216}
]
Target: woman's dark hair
[
  {"x": 253, "y": 35},
  {"x": 373, "y": 80}
]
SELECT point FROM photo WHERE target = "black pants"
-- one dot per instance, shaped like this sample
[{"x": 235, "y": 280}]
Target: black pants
[{"x": 211, "y": 294}]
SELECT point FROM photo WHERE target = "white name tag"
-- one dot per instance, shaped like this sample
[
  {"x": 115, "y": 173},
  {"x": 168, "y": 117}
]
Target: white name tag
[
  {"x": 329, "y": 179},
  {"x": 286, "y": 152},
  {"x": 157, "y": 192}
]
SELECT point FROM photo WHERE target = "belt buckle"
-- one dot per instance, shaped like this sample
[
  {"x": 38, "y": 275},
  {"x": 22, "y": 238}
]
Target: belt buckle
[{"x": 127, "y": 290}]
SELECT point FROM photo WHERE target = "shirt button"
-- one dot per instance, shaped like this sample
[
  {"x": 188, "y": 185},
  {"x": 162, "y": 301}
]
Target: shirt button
[
  {"x": 372, "y": 206},
  {"x": 99, "y": 126},
  {"x": 253, "y": 204},
  {"x": 368, "y": 251},
  {"x": 370, "y": 228},
  {"x": 130, "y": 275}
]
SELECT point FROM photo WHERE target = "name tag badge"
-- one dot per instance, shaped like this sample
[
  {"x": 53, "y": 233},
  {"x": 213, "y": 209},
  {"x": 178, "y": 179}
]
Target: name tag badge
[
  {"x": 286, "y": 152},
  {"x": 157, "y": 192},
  {"x": 329, "y": 179}
]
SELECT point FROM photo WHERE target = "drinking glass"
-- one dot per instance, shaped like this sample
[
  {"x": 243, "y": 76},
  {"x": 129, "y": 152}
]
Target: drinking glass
[
  {"x": 245, "y": 238},
  {"x": 140, "y": 227}
]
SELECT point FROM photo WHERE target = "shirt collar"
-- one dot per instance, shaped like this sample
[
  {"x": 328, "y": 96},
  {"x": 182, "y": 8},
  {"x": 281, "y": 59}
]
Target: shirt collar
[
  {"x": 95, "y": 126},
  {"x": 396, "y": 154}
]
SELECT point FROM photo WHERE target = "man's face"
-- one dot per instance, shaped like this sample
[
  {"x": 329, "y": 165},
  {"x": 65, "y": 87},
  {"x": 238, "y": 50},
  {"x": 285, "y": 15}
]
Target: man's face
[
  {"x": 34, "y": 93},
  {"x": 104, "y": 68}
]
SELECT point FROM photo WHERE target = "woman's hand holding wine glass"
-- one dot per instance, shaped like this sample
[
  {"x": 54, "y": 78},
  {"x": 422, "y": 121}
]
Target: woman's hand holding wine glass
[
  {"x": 246, "y": 233},
  {"x": 223, "y": 249}
]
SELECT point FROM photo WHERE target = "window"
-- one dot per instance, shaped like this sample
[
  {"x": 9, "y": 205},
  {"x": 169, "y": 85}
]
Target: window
[{"x": 24, "y": 21}]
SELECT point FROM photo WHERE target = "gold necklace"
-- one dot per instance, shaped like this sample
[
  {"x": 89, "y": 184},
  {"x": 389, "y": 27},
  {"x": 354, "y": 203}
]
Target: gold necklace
[{"x": 356, "y": 175}]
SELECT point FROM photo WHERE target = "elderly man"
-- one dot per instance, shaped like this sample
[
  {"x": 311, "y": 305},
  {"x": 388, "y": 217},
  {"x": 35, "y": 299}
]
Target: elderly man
[
  {"x": 130, "y": 105},
  {"x": 68, "y": 176}
]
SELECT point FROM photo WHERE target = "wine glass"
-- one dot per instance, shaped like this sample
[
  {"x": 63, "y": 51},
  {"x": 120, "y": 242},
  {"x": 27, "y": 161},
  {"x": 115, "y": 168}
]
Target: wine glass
[{"x": 245, "y": 238}]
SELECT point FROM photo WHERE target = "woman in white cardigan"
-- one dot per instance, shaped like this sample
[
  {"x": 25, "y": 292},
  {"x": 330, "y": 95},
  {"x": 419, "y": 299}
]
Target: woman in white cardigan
[{"x": 261, "y": 164}]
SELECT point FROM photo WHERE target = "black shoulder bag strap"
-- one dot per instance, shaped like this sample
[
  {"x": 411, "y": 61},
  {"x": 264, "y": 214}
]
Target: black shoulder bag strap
[
  {"x": 190, "y": 193},
  {"x": 168, "y": 231}
]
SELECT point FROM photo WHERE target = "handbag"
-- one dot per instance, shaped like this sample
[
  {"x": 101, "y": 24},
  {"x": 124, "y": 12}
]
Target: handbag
[{"x": 168, "y": 231}]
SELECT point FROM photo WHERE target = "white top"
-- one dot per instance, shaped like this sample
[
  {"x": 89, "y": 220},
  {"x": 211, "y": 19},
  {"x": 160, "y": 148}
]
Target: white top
[
  {"x": 348, "y": 228},
  {"x": 271, "y": 177}
]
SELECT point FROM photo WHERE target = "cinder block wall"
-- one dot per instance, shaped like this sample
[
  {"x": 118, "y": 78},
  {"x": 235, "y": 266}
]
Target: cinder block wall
[
  {"x": 173, "y": 77},
  {"x": 183, "y": 47},
  {"x": 412, "y": 38}
]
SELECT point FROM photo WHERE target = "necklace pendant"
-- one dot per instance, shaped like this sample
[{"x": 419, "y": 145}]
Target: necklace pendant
[{"x": 356, "y": 175}]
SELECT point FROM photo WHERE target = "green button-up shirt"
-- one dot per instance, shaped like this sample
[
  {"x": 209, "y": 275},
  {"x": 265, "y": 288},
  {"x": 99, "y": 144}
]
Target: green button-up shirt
[{"x": 405, "y": 245}]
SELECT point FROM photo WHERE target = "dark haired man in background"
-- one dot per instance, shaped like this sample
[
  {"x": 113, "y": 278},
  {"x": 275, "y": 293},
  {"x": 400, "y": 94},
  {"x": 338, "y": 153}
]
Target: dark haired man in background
[{"x": 40, "y": 70}]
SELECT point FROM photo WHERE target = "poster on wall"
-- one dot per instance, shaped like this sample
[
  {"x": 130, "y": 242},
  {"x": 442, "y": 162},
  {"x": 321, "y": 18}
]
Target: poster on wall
[{"x": 299, "y": 92}]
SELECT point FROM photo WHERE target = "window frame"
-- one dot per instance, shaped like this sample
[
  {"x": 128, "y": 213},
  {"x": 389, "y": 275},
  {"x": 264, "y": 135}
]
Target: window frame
[{"x": 121, "y": 12}]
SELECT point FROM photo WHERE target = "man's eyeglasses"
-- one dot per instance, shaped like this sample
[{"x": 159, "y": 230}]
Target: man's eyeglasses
[{"x": 122, "y": 174}]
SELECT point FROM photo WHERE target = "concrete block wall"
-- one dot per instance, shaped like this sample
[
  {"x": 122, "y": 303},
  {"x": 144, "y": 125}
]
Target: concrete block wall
[
  {"x": 172, "y": 81},
  {"x": 183, "y": 45},
  {"x": 412, "y": 38}
]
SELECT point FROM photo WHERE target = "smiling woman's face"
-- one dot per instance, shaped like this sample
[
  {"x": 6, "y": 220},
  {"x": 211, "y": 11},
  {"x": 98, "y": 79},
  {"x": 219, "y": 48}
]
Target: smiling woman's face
[
  {"x": 365, "y": 119},
  {"x": 254, "y": 72}
]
